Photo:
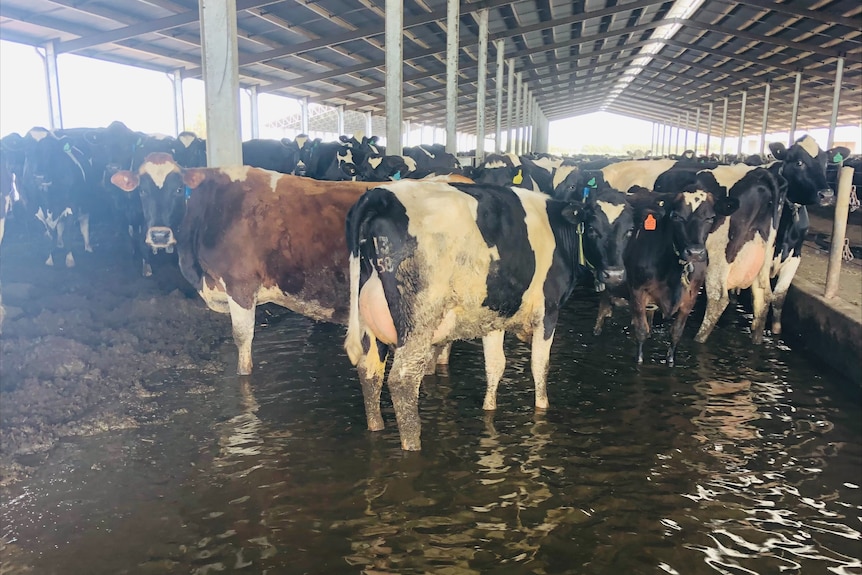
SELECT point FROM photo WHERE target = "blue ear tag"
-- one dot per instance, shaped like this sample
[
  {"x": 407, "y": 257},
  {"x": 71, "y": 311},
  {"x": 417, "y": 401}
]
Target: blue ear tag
[
  {"x": 586, "y": 192},
  {"x": 188, "y": 193},
  {"x": 397, "y": 175}
]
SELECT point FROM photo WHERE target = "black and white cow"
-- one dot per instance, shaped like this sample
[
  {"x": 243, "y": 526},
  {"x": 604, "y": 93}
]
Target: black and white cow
[
  {"x": 190, "y": 151},
  {"x": 276, "y": 155},
  {"x": 435, "y": 262}
]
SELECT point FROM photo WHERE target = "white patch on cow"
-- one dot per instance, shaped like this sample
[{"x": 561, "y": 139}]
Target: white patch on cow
[
  {"x": 694, "y": 199},
  {"x": 411, "y": 164},
  {"x": 38, "y": 134},
  {"x": 359, "y": 135},
  {"x": 237, "y": 173},
  {"x": 375, "y": 162},
  {"x": 561, "y": 174},
  {"x": 726, "y": 176},
  {"x": 346, "y": 157},
  {"x": 426, "y": 152},
  {"x": 187, "y": 139},
  {"x": 612, "y": 211},
  {"x": 48, "y": 218},
  {"x": 159, "y": 172},
  {"x": 274, "y": 177},
  {"x": 300, "y": 141},
  {"x": 809, "y": 144},
  {"x": 516, "y": 159},
  {"x": 495, "y": 164},
  {"x": 624, "y": 175},
  {"x": 548, "y": 164}
]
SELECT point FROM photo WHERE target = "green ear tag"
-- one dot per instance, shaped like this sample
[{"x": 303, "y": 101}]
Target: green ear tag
[
  {"x": 67, "y": 147},
  {"x": 592, "y": 182},
  {"x": 838, "y": 158}
]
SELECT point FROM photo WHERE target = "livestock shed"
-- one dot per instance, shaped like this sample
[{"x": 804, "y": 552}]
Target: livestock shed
[{"x": 711, "y": 66}]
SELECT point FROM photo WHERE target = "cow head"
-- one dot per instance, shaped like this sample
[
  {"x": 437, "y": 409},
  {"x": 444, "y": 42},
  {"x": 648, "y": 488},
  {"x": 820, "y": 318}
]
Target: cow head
[
  {"x": 189, "y": 151},
  {"x": 159, "y": 183},
  {"x": 607, "y": 223},
  {"x": 804, "y": 168}
]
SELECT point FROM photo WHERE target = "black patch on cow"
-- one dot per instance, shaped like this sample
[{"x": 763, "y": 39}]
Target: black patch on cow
[
  {"x": 501, "y": 219},
  {"x": 760, "y": 196}
]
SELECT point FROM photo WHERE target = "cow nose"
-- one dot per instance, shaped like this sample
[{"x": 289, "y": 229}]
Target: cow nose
[
  {"x": 161, "y": 237},
  {"x": 613, "y": 276},
  {"x": 826, "y": 197},
  {"x": 697, "y": 254}
]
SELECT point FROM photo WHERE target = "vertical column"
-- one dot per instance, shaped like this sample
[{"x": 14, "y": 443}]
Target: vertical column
[
  {"x": 741, "y": 124},
  {"x": 339, "y": 122},
  {"x": 516, "y": 148},
  {"x": 708, "y": 128},
  {"x": 836, "y": 96},
  {"x": 509, "y": 96},
  {"x": 179, "y": 108},
  {"x": 723, "y": 127},
  {"x": 221, "y": 80},
  {"x": 480, "y": 85},
  {"x": 303, "y": 116},
  {"x": 407, "y": 127},
  {"x": 255, "y": 112},
  {"x": 394, "y": 46},
  {"x": 685, "y": 137},
  {"x": 795, "y": 108},
  {"x": 524, "y": 117},
  {"x": 696, "y": 129},
  {"x": 500, "y": 45},
  {"x": 452, "y": 15},
  {"x": 368, "y": 123},
  {"x": 676, "y": 141},
  {"x": 52, "y": 81},
  {"x": 765, "y": 119}
]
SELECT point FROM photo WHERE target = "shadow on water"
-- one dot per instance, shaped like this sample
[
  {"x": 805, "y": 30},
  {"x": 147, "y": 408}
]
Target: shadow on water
[{"x": 739, "y": 460}]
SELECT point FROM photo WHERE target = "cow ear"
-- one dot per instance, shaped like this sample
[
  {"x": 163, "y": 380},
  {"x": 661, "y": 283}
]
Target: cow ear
[
  {"x": 838, "y": 155},
  {"x": 125, "y": 180},
  {"x": 778, "y": 150},
  {"x": 193, "y": 177},
  {"x": 726, "y": 205}
]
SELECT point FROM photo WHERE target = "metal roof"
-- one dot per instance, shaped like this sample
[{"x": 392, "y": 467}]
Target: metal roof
[{"x": 572, "y": 53}]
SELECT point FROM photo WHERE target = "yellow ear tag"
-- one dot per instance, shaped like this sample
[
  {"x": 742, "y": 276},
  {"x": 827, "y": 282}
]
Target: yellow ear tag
[
  {"x": 649, "y": 223},
  {"x": 519, "y": 177}
]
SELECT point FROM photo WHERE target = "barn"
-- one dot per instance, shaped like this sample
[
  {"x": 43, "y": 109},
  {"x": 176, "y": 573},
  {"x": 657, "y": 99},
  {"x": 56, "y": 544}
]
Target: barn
[{"x": 129, "y": 443}]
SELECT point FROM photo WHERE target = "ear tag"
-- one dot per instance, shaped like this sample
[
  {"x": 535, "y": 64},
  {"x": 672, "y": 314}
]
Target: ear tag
[
  {"x": 67, "y": 148},
  {"x": 592, "y": 182},
  {"x": 188, "y": 192},
  {"x": 837, "y": 158},
  {"x": 650, "y": 223},
  {"x": 519, "y": 178},
  {"x": 586, "y": 193},
  {"x": 397, "y": 175}
]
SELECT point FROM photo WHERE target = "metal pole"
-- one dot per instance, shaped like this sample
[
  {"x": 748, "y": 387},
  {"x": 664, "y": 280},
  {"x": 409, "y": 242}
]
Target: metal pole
[
  {"x": 676, "y": 141},
  {"x": 663, "y": 128},
  {"x": 500, "y": 45},
  {"x": 836, "y": 96},
  {"x": 394, "y": 73},
  {"x": 52, "y": 81},
  {"x": 723, "y": 128},
  {"x": 795, "y": 107},
  {"x": 741, "y": 124},
  {"x": 368, "y": 124},
  {"x": 452, "y": 15},
  {"x": 839, "y": 231},
  {"x": 303, "y": 116},
  {"x": 406, "y": 141},
  {"x": 179, "y": 109},
  {"x": 509, "y": 96},
  {"x": 708, "y": 128},
  {"x": 685, "y": 138},
  {"x": 516, "y": 148},
  {"x": 765, "y": 119},
  {"x": 340, "y": 120},
  {"x": 255, "y": 124},
  {"x": 221, "y": 82},
  {"x": 696, "y": 129},
  {"x": 481, "y": 76}
]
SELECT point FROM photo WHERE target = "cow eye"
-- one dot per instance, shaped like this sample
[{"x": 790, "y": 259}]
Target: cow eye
[
  {"x": 799, "y": 163},
  {"x": 629, "y": 232},
  {"x": 179, "y": 190}
]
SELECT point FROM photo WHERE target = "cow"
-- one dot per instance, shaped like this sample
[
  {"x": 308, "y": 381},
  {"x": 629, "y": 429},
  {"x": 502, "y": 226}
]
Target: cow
[
  {"x": 434, "y": 262},
  {"x": 332, "y": 161},
  {"x": 276, "y": 155},
  {"x": 666, "y": 260},
  {"x": 190, "y": 151}
]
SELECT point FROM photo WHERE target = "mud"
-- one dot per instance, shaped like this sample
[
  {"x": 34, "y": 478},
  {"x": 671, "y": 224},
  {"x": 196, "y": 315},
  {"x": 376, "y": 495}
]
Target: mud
[{"x": 77, "y": 342}]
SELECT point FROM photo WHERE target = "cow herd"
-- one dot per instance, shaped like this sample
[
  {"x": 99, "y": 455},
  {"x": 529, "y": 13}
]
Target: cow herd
[{"x": 412, "y": 252}]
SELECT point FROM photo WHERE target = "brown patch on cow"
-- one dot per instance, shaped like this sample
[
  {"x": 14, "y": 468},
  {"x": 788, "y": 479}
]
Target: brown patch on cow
[{"x": 194, "y": 176}]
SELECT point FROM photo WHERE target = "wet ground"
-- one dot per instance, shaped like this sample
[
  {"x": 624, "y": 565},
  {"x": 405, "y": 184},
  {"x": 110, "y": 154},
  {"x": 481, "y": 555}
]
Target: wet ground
[{"x": 128, "y": 446}]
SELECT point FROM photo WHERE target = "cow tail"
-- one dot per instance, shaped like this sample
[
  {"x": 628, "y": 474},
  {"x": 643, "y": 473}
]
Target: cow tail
[{"x": 357, "y": 218}]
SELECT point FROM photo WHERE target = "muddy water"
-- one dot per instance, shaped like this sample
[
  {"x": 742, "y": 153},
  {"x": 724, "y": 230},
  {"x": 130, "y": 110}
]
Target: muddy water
[{"x": 739, "y": 460}]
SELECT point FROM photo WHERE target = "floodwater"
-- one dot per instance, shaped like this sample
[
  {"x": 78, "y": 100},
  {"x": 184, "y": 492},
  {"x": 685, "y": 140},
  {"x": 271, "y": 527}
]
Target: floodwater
[{"x": 739, "y": 460}]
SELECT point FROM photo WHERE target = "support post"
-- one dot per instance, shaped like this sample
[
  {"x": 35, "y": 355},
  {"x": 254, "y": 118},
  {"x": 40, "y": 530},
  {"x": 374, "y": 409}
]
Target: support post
[
  {"x": 481, "y": 77},
  {"x": 685, "y": 138},
  {"x": 255, "y": 115},
  {"x": 394, "y": 46},
  {"x": 741, "y": 124},
  {"x": 517, "y": 135},
  {"x": 836, "y": 96},
  {"x": 303, "y": 116},
  {"x": 452, "y": 15},
  {"x": 179, "y": 104},
  {"x": 795, "y": 110},
  {"x": 708, "y": 128},
  {"x": 696, "y": 129},
  {"x": 500, "y": 45},
  {"x": 339, "y": 127},
  {"x": 221, "y": 80},
  {"x": 368, "y": 123},
  {"x": 723, "y": 128},
  {"x": 509, "y": 96},
  {"x": 765, "y": 119},
  {"x": 839, "y": 231},
  {"x": 52, "y": 81}
]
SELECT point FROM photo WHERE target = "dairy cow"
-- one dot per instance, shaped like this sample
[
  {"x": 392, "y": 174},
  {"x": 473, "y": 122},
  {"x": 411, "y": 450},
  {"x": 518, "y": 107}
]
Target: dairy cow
[
  {"x": 276, "y": 155},
  {"x": 435, "y": 262}
]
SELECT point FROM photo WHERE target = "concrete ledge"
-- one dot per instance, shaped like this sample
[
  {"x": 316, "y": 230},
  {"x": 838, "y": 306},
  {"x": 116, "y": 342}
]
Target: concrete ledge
[{"x": 829, "y": 329}]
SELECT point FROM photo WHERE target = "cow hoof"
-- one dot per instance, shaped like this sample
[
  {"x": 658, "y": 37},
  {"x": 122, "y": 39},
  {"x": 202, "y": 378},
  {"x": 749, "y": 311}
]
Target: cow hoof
[
  {"x": 411, "y": 445},
  {"x": 243, "y": 371},
  {"x": 375, "y": 424},
  {"x": 70, "y": 260},
  {"x": 50, "y": 260},
  {"x": 88, "y": 249}
]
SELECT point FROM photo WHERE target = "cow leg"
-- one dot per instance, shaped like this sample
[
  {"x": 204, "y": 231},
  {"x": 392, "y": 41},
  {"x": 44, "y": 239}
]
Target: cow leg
[
  {"x": 779, "y": 293},
  {"x": 443, "y": 352},
  {"x": 84, "y": 223},
  {"x": 242, "y": 320},
  {"x": 70, "y": 260},
  {"x": 405, "y": 376},
  {"x": 685, "y": 307},
  {"x": 61, "y": 226},
  {"x": 640, "y": 324},
  {"x": 761, "y": 297},
  {"x": 495, "y": 364},
  {"x": 371, "y": 367},
  {"x": 606, "y": 309},
  {"x": 540, "y": 356},
  {"x": 716, "y": 302}
]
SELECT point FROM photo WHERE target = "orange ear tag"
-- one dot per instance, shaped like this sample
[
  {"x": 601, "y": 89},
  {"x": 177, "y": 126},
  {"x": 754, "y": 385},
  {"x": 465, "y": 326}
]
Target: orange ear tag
[{"x": 649, "y": 223}]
